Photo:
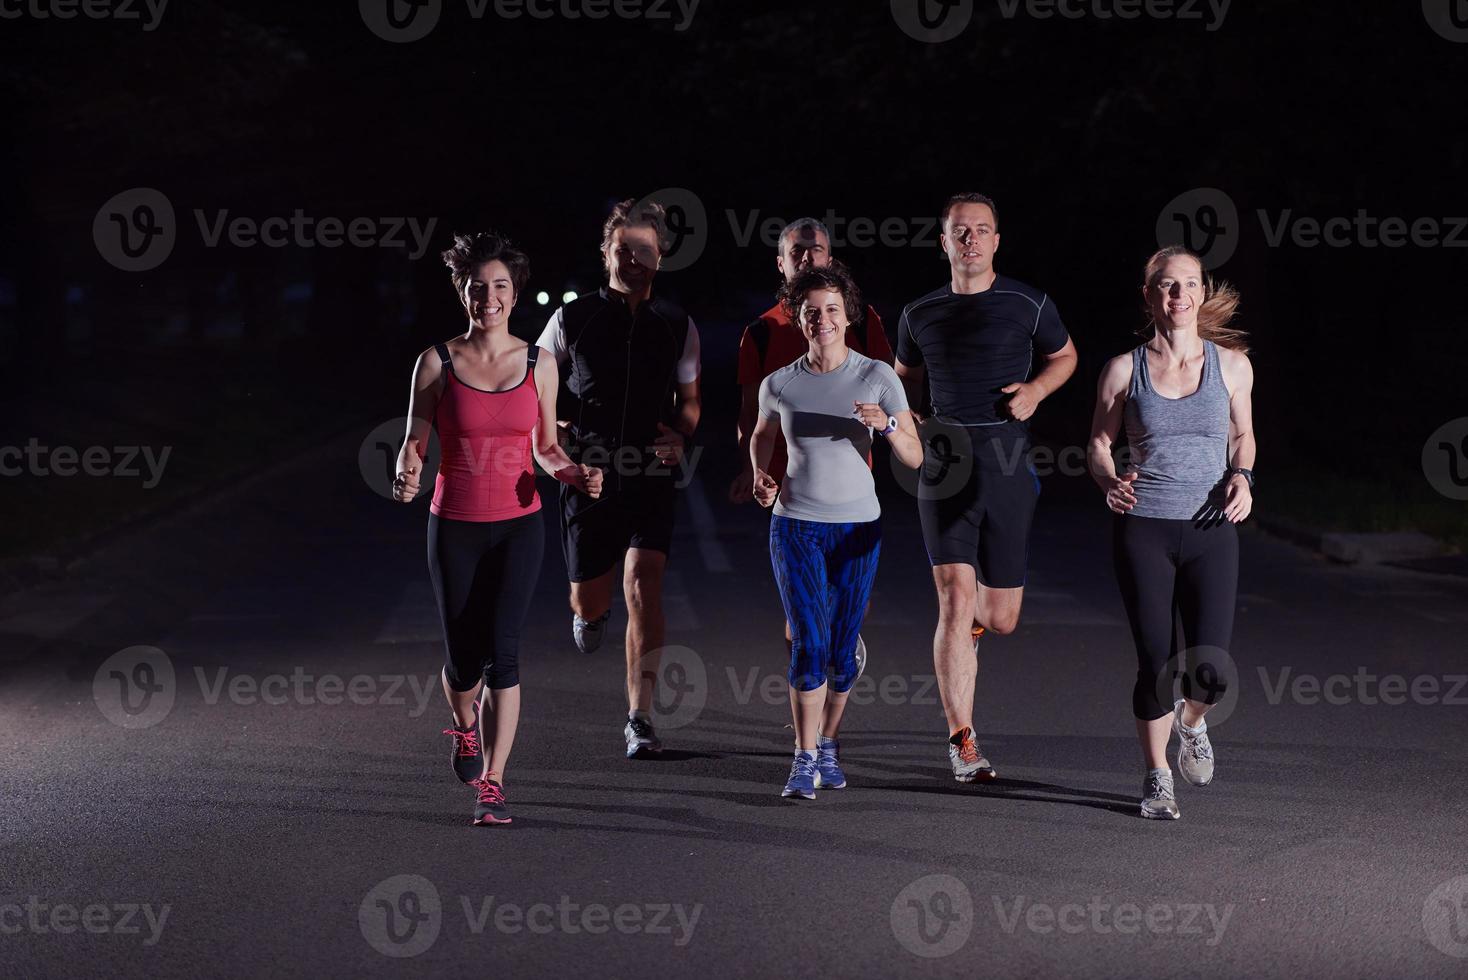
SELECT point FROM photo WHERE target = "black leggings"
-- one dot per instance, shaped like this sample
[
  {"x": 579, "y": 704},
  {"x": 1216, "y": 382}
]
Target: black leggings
[
  {"x": 1170, "y": 570},
  {"x": 484, "y": 575}
]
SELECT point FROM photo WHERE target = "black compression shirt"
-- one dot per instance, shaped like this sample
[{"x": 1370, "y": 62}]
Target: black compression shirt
[{"x": 974, "y": 345}]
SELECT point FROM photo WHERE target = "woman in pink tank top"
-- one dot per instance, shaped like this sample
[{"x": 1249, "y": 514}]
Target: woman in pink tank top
[{"x": 491, "y": 400}]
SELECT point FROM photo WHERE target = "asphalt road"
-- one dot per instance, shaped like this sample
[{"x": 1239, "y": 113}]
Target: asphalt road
[{"x": 262, "y": 788}]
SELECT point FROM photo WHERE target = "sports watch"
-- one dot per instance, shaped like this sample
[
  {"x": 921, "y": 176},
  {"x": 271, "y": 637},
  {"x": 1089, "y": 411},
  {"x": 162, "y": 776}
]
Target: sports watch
[
  {"x": 892, "y": 426},
  {"x": 1248, "y": 475}
]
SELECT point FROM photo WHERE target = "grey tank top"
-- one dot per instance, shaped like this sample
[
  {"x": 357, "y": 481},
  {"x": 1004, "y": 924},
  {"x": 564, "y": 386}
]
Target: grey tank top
[{"x": 1179, "y": 446}]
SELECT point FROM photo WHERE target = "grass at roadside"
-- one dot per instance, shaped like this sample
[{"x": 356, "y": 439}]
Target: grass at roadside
[{"x": 1373, "y": 501}]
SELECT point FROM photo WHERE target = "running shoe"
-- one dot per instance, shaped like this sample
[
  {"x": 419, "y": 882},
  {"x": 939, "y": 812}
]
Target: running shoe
[
  {"x": 828, "y": 766},
  {"x": 1159, "y": 802},
  {"x": 468, "y": 754},
  {"x": 969, "y": 764},
  {"x": 861, "y": 655},
  {"x": 803, "y": 774},
  {"x": 1194, "y": 751},
  {"x": 641, "y": 739},
  {"x": 589, "y": 633},
  {"x": 978, "y": 631},
  {"x": 491, "y": 808}
]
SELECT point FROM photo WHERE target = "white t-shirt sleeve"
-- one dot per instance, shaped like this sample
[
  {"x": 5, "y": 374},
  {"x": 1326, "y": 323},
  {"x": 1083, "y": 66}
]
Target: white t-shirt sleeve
[
  {"x": 688, "y": 364},
  {"x": 553, "y": 338}
]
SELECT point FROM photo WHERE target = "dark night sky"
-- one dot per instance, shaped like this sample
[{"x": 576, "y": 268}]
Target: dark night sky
[{"x": 1082, "y": 130}]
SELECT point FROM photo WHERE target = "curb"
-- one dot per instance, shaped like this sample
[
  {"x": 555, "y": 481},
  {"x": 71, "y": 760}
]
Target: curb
[{"x": 1360, "y": 548}]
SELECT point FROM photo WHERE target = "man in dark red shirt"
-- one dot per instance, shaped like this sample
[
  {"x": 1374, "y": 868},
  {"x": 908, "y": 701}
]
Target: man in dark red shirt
[{"x": 774, "y": 341}]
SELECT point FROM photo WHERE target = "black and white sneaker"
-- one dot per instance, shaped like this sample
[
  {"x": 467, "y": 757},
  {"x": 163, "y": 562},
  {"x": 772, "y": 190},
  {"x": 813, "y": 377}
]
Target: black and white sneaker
[{"x": 641, "y": 739}]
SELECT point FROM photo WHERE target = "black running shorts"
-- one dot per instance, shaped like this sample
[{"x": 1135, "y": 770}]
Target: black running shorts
[
  {"x": 596, "y": 533},
  {"x": 976, "y": 500}
]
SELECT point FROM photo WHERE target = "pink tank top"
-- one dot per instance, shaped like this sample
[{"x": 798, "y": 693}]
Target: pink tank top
[{"x": 488, "y": 468}]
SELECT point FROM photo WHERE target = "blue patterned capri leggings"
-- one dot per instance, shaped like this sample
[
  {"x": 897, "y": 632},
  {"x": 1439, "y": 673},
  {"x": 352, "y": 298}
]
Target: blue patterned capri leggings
[{"x": 825, "y": 574}]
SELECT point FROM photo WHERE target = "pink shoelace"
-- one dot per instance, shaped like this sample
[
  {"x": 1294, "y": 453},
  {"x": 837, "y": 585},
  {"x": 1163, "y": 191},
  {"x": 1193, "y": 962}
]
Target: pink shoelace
[
  {"x": 466, "y": 743},
  {"x": 490, "y": 792}
]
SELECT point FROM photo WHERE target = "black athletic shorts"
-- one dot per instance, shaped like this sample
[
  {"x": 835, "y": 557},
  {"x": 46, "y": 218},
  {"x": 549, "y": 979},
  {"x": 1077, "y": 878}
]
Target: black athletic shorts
[
  {"x": 976, "y": 499},
  {"x": 596, "y": 533}
]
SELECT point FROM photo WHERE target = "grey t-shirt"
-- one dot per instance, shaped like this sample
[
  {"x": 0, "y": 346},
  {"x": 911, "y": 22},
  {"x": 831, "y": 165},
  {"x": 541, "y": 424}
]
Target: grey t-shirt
[{"x": 828, "y": 479}]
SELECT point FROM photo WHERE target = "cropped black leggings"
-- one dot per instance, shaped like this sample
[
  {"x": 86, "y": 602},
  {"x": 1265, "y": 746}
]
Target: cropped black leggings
[
  {"x": 1177, "y": 570},
  {"x": 484, "y": 575}
]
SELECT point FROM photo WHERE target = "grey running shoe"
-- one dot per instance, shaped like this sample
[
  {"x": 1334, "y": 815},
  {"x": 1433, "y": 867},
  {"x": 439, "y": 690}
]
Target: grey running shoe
[
  {"x": 640, "y": 737},
  {"x": 1194, "y": 751},
  {"x": 589, "y": 633},
  {"x": 861, "y": 655},
  {"x": 969, "y": 764},
  {"x": 1159, "y": 802}
]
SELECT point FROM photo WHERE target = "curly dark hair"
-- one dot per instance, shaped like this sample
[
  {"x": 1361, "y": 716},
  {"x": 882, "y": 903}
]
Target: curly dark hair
[
  {"x": 834, "y": 276},
  {"x": 469, "y": 252}
]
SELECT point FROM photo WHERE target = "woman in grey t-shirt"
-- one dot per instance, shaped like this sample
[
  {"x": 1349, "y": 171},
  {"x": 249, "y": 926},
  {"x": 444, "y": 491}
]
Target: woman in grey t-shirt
[{"x": 825, "y": 536}]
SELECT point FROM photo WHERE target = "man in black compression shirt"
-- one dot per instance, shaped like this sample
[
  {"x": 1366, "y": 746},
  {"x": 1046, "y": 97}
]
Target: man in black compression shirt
[{"x": 975, "y": 341}]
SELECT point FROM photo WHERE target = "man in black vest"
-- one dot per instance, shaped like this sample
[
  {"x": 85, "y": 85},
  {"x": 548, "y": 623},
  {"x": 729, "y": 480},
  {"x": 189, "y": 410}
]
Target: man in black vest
[{"x": 630, "y": 404}]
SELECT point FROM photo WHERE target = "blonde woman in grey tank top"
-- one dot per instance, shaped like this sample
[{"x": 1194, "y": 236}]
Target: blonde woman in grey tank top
[{"x": 1184, "y": 398}]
